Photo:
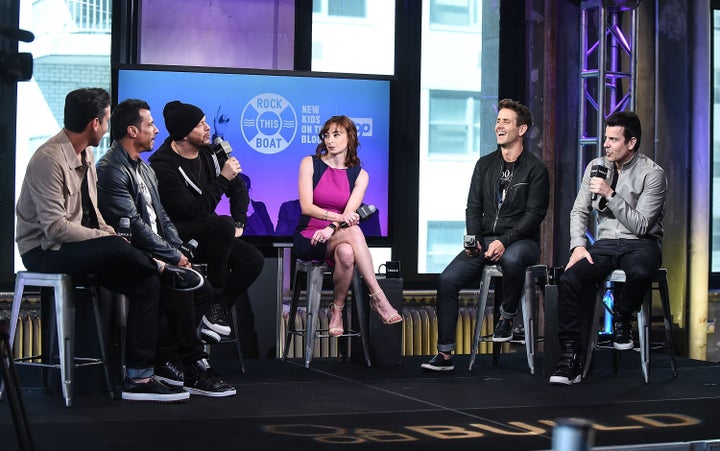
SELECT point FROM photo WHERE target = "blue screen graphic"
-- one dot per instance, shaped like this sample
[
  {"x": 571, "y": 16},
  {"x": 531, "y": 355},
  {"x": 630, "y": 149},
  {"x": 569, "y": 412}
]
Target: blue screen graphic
[{"x": 272, "y": 122}]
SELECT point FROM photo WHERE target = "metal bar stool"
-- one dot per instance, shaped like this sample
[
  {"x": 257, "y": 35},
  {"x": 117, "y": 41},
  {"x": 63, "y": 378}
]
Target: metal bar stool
[
  {"x": 533, "y": 275},
  {"x": 644, "y": 320},
  {"x": 315, "y": 274},
  {"x": 64, "y": 300}
]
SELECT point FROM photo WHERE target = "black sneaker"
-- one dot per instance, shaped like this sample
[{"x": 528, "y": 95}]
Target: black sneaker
[
  {"x": 209, "y": 337},
  {"x": 169, "y": 374},
  {"x": 569, "y": 369},
  {"x": 622, "y": 334},
  {"x": 503, "y": 331},
  {"x": 152, "y": 390},
  {"x": 202, "y": 380},
  {"x": 439, "y": 363},
  {"x": 566, "y": 373},
  {"x": 216, "y": 319},
  {"x": 181, "y": 279}
]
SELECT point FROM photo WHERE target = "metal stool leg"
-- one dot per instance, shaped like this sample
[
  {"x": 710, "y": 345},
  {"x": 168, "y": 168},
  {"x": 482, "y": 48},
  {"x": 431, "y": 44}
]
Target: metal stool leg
[
  {"x": 233, "y": 311},
  {"x": 665, "y": 301},
  {"x": 94, "y": 294},
  {"x": 592, "y": 340},
  {"x": 293, "y": 313},
  {"x": 360, "y": 301},
  {"x": 480, "y": 315},
  {"x": 529, "y": 304},
  {"x": 315, "y": 277},
  {"x": 65, "y": 314},
  {"x": 643, "y": 322}
]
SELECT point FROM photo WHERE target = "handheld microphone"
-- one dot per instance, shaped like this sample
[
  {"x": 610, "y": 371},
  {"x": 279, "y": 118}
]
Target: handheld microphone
[
  {"x": 365, "y": 211},
  {"x": 124, "y": 229},
  {"x": 221, "y": 149},
  {"x": 188, "y": 249},
  {"x": 601, "y": 171}
]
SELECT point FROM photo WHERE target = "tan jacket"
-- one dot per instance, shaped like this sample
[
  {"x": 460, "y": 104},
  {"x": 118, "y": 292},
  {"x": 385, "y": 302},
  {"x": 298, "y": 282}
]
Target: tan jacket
[{"x": 49, "y": 209}]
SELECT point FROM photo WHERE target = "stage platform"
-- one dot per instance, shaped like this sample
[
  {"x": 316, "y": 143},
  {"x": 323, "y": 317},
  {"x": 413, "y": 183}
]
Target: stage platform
[{"x": 337, "y": 405}]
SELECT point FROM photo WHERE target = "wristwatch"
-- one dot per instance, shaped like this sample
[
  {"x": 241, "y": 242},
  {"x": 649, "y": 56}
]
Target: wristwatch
[{"x": 332, "y": 226}]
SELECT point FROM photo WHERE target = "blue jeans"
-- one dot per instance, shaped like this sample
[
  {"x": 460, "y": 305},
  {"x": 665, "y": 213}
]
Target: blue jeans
[
  {"x": 464, "y": 268},
  {"x": 579, "y": 285}
]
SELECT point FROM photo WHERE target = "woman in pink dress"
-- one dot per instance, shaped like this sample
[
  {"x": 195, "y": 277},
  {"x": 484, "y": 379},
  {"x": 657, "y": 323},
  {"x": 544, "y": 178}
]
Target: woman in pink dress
[{"x": 332, "y": 185}]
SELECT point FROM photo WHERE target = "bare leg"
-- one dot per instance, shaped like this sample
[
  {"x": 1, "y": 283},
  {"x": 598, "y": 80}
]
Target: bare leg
[
  {"x": 363, "y": 260},
  {"x": 342, "y": 275}
]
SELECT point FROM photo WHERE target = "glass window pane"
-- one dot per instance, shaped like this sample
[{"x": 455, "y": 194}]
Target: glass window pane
[
  {"x": 444, "y": 243},
  {"x": 60, "y": 28},
  {"x": 458, "y": 110},
  {"x": 348, "y": 8},
  {"x": 356, "y": 37}
]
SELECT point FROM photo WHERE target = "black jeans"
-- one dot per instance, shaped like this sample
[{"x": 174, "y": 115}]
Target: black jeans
[
  {"x": 121, "y": 268},
  {"x": 232, "y": 264},
  {"x": 578, "y": 286},
  {"x": 464, "y": 268},
  {"x": 180, "y": 316}
]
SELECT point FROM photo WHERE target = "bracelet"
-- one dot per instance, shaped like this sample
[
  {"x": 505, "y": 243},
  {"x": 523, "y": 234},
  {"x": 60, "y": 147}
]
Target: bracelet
[
  {"x": 332, "y": 226},
  {"x": 325, "y": 216}
]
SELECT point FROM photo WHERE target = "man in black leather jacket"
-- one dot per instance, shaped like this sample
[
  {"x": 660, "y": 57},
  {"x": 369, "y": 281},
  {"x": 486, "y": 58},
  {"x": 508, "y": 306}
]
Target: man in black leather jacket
[
  {"x": 127, "y": 188},
  {"x": 507, "y": 202}
]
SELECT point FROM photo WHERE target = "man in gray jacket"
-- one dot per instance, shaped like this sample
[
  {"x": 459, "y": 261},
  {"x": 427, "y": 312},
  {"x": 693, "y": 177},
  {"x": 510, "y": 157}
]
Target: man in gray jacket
[{"x": 629, "y": 203}]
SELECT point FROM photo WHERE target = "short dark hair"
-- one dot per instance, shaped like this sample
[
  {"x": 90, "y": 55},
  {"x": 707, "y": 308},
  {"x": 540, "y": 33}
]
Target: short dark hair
[
  {"x": 125, "y": 114},
  {"x": 82, "y": 106},
  {"x": 523, "y": 113},
  {"x": 630, "y": 122}
]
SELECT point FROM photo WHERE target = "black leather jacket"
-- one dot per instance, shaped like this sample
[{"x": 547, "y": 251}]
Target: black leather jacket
[
  {"x": 525, "y": 204},
  {"x": 119, "y": 196}
]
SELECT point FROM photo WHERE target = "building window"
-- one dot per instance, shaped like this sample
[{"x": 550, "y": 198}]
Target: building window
[
  {"x": 347, "y": 8},
  {"x": 457, "y": 13},
  {"x": 365, "y": 26},
  {"x": 443, "y": 244},
  {"x": 454, "y": 126},
  {"x": 60, "y": 28}
]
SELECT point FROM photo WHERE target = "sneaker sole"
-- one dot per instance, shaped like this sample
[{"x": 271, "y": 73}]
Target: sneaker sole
[
  {"x": 152, "y": 397},
  {"x": 222, "y": 330},
  {"x": 210, "y": 336},
  {"x": 168, "y": 381},
  {"x": 427, "y": 366},
  {"x": 202, "y": 282},
  {"x": 623, "y": 346},
  {"x": 211, "y": 394},
  {"x": 561, "y": 380},
  {"x": 501, "y": 340}
]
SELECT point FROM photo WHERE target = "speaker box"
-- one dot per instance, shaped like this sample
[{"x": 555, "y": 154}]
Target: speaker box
[{"x": 384, "y": 341}]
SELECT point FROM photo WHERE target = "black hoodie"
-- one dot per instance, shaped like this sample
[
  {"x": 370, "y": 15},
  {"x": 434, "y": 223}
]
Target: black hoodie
[{"x": 188, "y": 194}]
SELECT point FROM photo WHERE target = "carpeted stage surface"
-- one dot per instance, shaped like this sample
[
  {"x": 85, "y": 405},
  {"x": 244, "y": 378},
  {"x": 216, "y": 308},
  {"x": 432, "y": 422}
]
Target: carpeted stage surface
[{"x": 342, "y": 405}]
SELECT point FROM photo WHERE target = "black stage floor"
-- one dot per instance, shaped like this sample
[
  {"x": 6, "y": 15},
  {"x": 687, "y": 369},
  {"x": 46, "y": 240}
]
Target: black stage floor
[{"x": 342, "y": 405}]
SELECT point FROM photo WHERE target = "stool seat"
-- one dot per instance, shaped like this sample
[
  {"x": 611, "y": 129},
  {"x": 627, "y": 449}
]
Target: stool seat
[
  {"x": 63, "y": 288},
  {"x": 315, "y": 274},
  {"x": 659, "y": 283},
  {"x": 533, "y": 275}
]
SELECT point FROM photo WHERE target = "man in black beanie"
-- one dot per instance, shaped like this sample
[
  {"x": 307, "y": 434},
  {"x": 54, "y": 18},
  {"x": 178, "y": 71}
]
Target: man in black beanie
[{"x": 192, "y": 180}]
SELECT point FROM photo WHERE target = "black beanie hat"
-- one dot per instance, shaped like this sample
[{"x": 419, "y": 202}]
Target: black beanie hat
[{"x": 181, "y": 118}]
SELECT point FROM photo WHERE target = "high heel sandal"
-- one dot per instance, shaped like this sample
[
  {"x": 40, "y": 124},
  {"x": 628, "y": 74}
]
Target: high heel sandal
[
  {"x": 335, "y": 331},
  {"x": 392, "y": 317}
]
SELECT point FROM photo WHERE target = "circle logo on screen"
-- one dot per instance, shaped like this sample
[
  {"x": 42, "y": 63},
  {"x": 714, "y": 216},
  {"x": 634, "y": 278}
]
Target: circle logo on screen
[{"x": 269, "y": 123}]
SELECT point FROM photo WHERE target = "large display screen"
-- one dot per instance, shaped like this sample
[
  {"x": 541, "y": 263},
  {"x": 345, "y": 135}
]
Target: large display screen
[{"x": 272, "y": 121}]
